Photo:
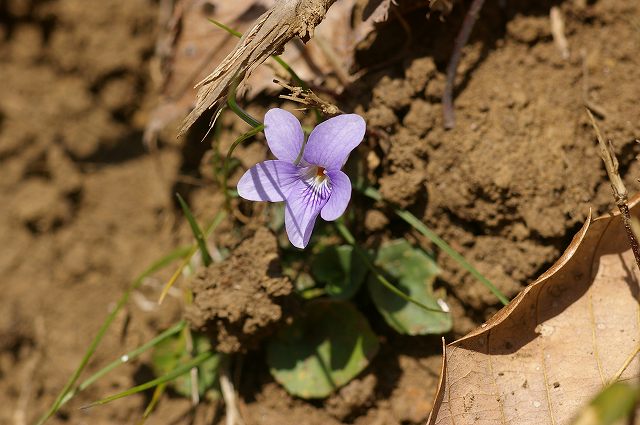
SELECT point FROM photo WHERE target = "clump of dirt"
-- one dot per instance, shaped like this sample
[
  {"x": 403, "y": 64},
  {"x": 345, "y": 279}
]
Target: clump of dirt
[{"x": 244, "y": 298}]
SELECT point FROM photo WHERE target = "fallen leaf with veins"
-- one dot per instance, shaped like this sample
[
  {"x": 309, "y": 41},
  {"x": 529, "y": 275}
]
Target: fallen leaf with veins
[{"x": 557, "y": 344}]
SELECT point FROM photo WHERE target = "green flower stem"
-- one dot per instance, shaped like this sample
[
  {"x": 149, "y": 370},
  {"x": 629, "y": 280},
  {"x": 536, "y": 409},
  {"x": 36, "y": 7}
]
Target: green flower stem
[
  {"x": 233, "y": 105},
  {"x": 440, "y": 243},
  {"x": 124, "y": 359},
  {"x": 348, "y": 237},
  {"x": 181, "y": 370},
  {"x": 158, "y": 265}
]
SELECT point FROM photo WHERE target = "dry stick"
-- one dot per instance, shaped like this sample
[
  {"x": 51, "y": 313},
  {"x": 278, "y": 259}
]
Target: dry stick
[
  {"x": 557, "y": 31},
  {"x": 229, "y": 395},
  {"x": 620, "y": 192},
  {"x": 586, "y": 100},
  {"x": 462, "y": 38}
]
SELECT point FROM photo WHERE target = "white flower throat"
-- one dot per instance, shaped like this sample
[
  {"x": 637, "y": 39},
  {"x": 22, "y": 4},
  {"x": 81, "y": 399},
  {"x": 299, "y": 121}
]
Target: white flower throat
[{"x": 316, "y": 177}]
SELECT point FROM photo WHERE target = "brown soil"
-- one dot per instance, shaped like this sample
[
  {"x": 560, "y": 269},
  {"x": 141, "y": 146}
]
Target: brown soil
[
  {"x": 239, "y": 300},
  {"x": 86, "y": 208}
]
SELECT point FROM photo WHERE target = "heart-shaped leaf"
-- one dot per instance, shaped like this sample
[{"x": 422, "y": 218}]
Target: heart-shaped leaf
[
  {"x": 413, "y": 272},
  {"x": 323, "y": 350},
  {"x": 564, "y": 338},
  {"x": 340, "y": 269}
]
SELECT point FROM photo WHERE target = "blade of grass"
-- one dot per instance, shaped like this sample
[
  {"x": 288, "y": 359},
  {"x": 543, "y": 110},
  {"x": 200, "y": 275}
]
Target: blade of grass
[
  {"x": 181, "y": 370},
  {"x": 124, "y": 359},
  {"x": 226, "y": 28},
  {"x": 187, "y": 259},
  {"x": 158, "y": 265},
  {"x": 197, "y": 232},
  {"x": 440, "y": 243},
  {"x": 157, "y": 393},
  {"x": 348, "y": 237}
]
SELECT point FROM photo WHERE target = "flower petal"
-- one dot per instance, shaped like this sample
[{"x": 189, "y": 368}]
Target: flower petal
[
  {"x": 340, "y": 196},
  {"x": 284, "y": 134},
  {"x": 268, "y": 181},
  {"x": 301, "y": 210},
  {"x": 331, "y": 142}
]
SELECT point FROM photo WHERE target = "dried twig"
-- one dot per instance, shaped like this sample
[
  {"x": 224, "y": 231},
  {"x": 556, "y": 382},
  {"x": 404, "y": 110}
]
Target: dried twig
[
  {"x": 308, "y": 98},
  {"x": 557, "y": 31},
  {"x": 229, "y": 395},
  {"x": 462, "y": 38},
  {"x": 586, "y": 100},
  {"x": 285, "y": 20},
  {"x": 620, "y": 193}
]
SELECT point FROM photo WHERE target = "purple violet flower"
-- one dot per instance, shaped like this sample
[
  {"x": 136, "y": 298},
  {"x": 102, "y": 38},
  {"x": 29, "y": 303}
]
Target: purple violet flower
[{"x": 313, "y": 186}]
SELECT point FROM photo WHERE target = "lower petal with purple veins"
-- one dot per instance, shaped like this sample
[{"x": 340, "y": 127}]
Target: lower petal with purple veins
[{"x": 307, "y": 197}]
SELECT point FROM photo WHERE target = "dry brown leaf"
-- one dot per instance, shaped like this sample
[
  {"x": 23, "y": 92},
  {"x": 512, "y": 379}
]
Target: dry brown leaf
[{"x": 545, "y": 355}]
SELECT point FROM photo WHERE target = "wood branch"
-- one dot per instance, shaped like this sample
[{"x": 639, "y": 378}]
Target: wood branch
[{"x": 285, "y": 20}]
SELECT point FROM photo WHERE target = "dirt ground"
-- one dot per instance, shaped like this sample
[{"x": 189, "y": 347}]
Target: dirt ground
[{"x": 86, "y": 208}]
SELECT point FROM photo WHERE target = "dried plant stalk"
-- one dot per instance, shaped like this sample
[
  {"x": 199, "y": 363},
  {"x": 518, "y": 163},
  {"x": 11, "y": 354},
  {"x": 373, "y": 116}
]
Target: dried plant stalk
[{"x": 620, "y": 193}]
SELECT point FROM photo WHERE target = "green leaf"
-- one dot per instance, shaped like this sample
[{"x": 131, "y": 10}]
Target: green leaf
[
  {"x": 172, "y": 353},
  {"x": 323, "y": 350},
  {"x": 413, "y": 271},
  {"x": 340, "y": 269},
  {"x": 612, "y": 405}
]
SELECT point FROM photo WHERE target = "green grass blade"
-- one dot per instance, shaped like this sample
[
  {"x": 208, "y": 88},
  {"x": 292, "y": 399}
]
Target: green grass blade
[
  {"x": 187, "y": 259},
  {"x": 157, "y": 393},
  {"x": 158, "y": 265},
  {"x": 226, "y": 28},
  {"x": 181, "y": 370},
  {"x": 124, "y": 359},
  {"x": 440, "y": 243},
  {"x": 197, "y": 232},
  {"x": 348, "y": 237}
]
